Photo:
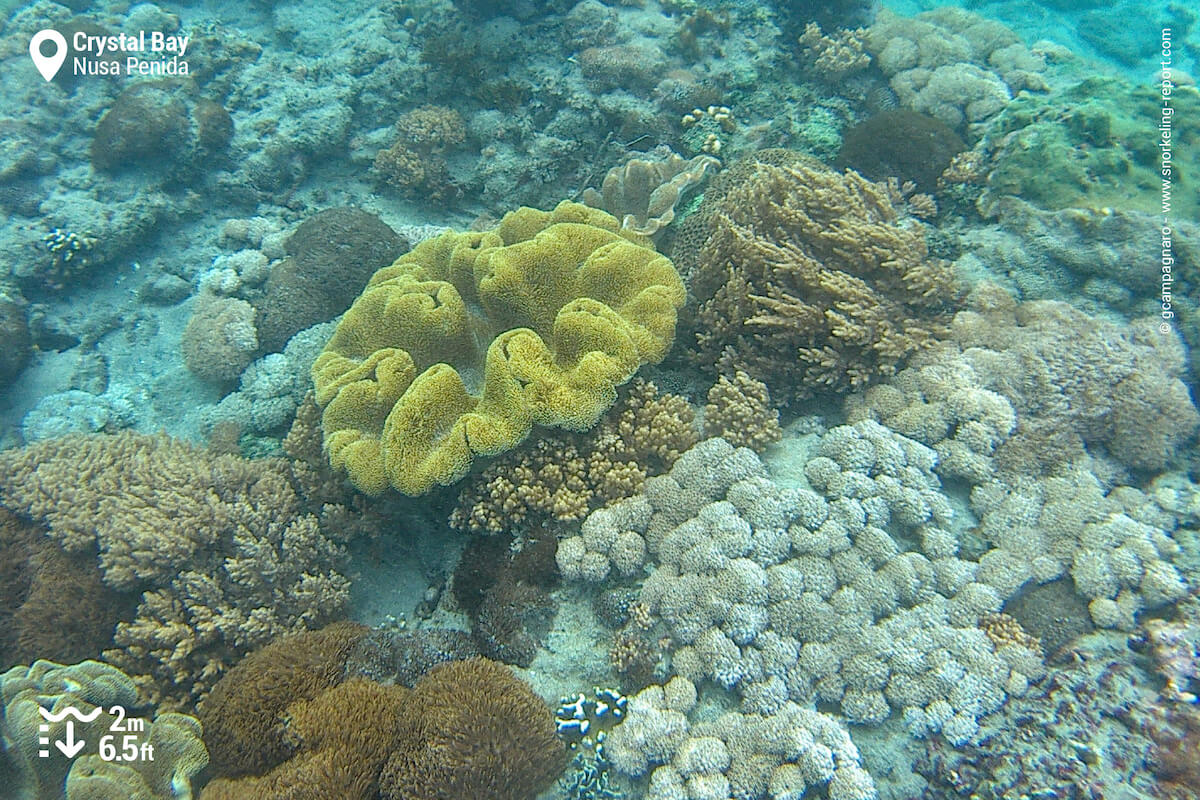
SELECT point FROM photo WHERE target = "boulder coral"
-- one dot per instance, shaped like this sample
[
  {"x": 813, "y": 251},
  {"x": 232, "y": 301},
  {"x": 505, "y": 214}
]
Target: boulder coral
[{"x": 462, "y": 345}]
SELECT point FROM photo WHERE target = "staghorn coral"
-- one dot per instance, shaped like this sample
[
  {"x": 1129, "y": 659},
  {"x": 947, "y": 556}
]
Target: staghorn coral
[
  {"x": 340, "y": 739},
  {"x": 179, "y": 752},
  {"x": 562, "y": 477},
  {"x": 244, "y": 714},
  {"x": 740, "y": 412},
  {"x": 820, "y": 286},
  {"x": 834, "y": 56},
  {"x": 472, "y": 729},
  {"x": 222, "y": 549},
  {"x": 643, "y": 193},
  {"x": 544, "y": 315}
]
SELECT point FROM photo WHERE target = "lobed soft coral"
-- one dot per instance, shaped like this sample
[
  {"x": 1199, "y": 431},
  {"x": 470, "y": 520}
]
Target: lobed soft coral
[
  {"x": 460, "y": 346},
  {"x": 643, "y": 193},
  {"x": 821, "y": 287}
]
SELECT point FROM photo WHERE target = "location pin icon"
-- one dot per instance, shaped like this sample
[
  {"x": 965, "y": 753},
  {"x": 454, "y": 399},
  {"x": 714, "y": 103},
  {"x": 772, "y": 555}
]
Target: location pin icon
[{"x": 48, "y": 65}]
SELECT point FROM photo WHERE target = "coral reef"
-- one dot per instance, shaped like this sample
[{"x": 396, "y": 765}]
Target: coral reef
[
  {"x": 330, "y": 257},
  {"x": 1067, "y": 380},
  {"x": 834, "y": 56},
  {"x": 472, "y": 729},
  {"x": 735, "y": 754},
  {"x": 544, "y": 315},
  {"x": 643, "y": 193},
  {"x": 740, "y": 412},
  {"x": 179, "y": 753},
  {"x": 816, "y": 285},
  {"x": 562, "y": 477},
  {"x": 1175, "y": 647},
  {"x": 1082, "y": 147},
  {"x": 402, "y": 657},
  {"x": 222, "y": 549},
  {"x": 502, "y": 587},
  {"x": 158, "y": 126},
  {"x": 415, "y": 164}
]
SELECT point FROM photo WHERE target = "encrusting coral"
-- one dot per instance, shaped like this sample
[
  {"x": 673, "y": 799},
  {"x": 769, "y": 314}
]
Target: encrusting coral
[
  {"x": 819, "y": 285},
  {"x": 462, "y": 345},
  {"x": 563, "y": 476},
  {"x": 223, "y": 550},
  {"x": 643, "y": 193},
  {"x": 179, "y": 752}
]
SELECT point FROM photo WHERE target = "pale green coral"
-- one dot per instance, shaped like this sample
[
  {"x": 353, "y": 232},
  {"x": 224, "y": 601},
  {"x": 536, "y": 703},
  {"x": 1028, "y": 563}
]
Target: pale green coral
[{"x": 462, "y": 345}]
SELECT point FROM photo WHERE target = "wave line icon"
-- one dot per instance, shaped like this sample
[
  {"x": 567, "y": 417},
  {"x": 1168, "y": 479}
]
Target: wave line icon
[{"x": 70, "y": 711}]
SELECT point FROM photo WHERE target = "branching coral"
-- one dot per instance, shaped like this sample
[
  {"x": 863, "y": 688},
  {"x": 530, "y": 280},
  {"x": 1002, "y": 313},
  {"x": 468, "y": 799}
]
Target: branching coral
[
  {"x": 222, "y": 548},
  {"x": 563, "y": 477},
  {"x": 740, "y": 411},
  {"x": 460, "y": 346},
  {"x": 643, "y": 193},
  {"x": 836, "y": 55},
  {"x": 821, "y": 288}
]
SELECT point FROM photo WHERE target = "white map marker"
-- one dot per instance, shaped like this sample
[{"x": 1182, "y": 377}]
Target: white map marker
[{"x": 48, "y": 65}]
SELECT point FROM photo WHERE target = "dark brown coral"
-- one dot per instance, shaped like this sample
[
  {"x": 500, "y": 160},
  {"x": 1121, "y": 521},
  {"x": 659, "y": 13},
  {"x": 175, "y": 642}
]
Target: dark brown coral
[
  {"x": 244, "y": 714},
  {"x": 472, "y": 729}
]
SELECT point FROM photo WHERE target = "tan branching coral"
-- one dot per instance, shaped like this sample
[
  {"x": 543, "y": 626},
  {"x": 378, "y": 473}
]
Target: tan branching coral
[
  {"x": 564, "y": 476},
  {"x": 835, "y": 55},
  {"x": 643, "y": 193},
  {"x": 740, "y": 412},
  {"x": 822, "y": 287},
  {"x": 223, "y": 550}
]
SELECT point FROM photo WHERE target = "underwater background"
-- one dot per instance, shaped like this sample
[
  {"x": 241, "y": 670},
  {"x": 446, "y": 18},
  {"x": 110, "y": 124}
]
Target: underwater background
[{"x": 676, "y": 399}]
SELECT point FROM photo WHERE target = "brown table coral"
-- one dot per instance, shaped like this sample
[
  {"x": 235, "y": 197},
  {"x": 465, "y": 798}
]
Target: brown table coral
[
  {"x": 820, "y": 286},
  {"x": 460, "y": 346}
]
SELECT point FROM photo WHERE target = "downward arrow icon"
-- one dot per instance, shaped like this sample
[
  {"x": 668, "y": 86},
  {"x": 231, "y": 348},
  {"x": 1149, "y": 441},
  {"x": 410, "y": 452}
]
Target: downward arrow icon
[{"x": 70, "y": 748}]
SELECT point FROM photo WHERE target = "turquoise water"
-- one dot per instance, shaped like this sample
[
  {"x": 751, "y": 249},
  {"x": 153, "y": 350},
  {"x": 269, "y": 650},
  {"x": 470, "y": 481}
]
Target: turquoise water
[{"x": 675, "y": 399}]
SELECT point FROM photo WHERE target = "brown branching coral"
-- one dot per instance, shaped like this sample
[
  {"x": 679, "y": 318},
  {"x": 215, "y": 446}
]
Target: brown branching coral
[
  {"x": 564, "y": 476},
  {"x": 822, "y": 287},
  {"x": 740, "y": 412},
  {"x": 415, "y": 163},
  {"x": 223, "y": 550}
]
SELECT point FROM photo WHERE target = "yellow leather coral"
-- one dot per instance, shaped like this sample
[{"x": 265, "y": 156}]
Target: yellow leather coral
[{"x": 464, "y": 343}]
